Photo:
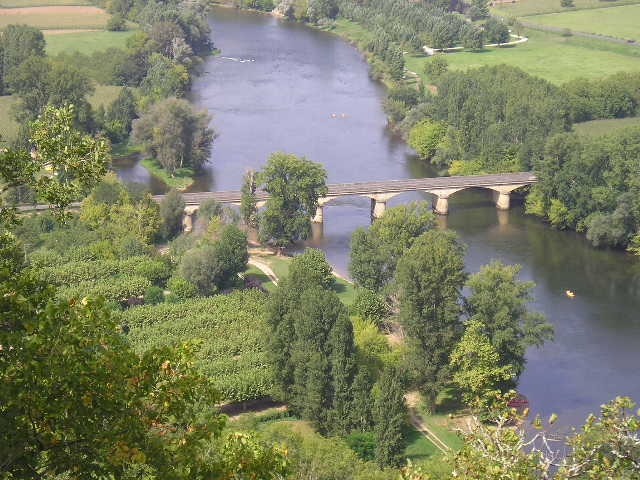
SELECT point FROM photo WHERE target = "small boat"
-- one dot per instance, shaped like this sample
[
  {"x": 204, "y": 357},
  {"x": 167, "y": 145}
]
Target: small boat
[{"x": 569, "y": 293}]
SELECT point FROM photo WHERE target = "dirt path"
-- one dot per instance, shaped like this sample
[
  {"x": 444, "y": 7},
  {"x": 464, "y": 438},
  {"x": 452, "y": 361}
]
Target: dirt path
[
  {"x": 412, "y": 399},
  {"x": 266, "y": 269}
]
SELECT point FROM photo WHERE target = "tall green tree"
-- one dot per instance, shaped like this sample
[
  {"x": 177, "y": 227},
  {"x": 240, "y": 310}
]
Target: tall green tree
[
  {"x": 171, "y": 213},
  {"x": 294, "y": 185},
  {"x": 19, "y": 42},
  {"x": 248, "y": 208},
  {"x": 429, "y": 280},
  {"x": 499, "y": 302},
  {"x": 390, "y": 414},
  {"x": 376, "y": 251}
]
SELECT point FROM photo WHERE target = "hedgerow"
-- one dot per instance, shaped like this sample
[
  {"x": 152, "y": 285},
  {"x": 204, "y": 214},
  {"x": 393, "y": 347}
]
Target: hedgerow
[{"x": 230, "y": 328}]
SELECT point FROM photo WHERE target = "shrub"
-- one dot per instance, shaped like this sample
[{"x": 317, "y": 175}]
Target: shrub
[
  {"x": 171, "y": 212},
  {"x": 363, "y": 443},
  {"x": 181, "y": 289},
  {"x": 370, "y": 306},
  {"x": 116, "y": 23},
  {"x": 436, "y": 66},
  {"x": 153, "y": 295},
  {"x": 311, "y": 268},
  {"x": 426, "y": 136}
]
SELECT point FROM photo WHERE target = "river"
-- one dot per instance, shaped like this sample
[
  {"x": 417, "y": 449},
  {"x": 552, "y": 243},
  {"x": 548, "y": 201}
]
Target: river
[{"x": 281, "y": 86}]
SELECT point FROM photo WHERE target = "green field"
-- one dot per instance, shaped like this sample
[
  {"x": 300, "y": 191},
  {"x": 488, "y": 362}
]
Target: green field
[
  {"x": 85, "y": 42},
  {"x": 619, "y": 22},
  {"x": 104, "y": 95},
  {"x": 56, "y": 17},
  {"x": 602, "y": 127},
  {"x": 534, "y": 7},
  {"x": 550, "y": 56},
  {"x": 8, "y": 127}
]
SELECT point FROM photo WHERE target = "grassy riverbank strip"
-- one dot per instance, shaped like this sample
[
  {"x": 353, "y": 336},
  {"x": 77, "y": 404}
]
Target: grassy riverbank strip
[{"x": 180, "y": 180}]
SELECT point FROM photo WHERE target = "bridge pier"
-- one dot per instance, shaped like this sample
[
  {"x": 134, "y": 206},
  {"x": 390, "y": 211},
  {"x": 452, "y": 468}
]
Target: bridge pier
[
  {"x": 503, "y": 201},
  {"x": 379, "y": 204},
  {"x": 441, "y": 205},
  {"x": 187, "y": 219},
  {"x": 319, "y": 216}
]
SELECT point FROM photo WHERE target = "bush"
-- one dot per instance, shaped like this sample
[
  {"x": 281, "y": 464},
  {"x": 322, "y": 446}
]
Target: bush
[
  {"x": 363, "y": 443},
  {"x": 181, "y": 289},
  {"x": 370, "y": 306},
  {"x": 436, "y": 66},
  {"x": 426, "y": 136},
  {"x": 116, "y": 23},
  {"x": 153, "y": 295},
  {"x": 171, "y": 213},
  {"x": 311, "y": 268}
]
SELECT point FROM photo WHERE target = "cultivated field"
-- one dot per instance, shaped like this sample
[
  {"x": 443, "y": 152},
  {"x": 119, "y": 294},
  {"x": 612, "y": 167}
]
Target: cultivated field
[
  {"x": 55, "y": 17},
  {"x": 40, "y": 3},
  {"x": 620, "y": 22},
  {"x": 534, "y": 7},
  {"x": 550, "y": 56}
]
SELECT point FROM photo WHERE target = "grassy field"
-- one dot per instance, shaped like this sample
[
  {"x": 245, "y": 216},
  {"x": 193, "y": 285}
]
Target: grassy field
[
  {"x": 620, "y": 22},
  {"x": 8, "y": 127},
  {"x": 104, "y": 95},
  {"x": 85, "y": 42},
  {"x": 56, "y": 17},
  {"x": 548, "y": 55},
  {"x": 534, "y": 7},
  {"x": 182, "y": 178},
  {"x": 602, "y": 127}
]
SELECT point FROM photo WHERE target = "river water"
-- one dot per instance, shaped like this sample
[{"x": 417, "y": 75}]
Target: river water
[{"x": 281, "y": 86}]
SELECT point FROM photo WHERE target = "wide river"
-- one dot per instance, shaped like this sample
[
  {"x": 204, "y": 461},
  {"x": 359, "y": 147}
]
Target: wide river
[{"x": 280, "y": 86}]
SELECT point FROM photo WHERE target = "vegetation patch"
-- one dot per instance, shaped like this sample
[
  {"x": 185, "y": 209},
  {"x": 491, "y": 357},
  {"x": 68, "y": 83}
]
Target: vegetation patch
[
  {"x": 619, "y": 22},
  {"x": 230, "y": 329},
  {"x": 85, "y": 42},
  {"x": 181, "y": 179},
  {"x": 40, "y": 3},
  {"x": 603, "y": 127},
  {"x": 8, "y": 126},
  {"x": 55, "y": 17},
  {"x": 535, "y": 7}
]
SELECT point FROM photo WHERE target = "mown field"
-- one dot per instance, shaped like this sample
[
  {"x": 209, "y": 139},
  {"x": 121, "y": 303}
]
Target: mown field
[
  {"x": 550, "y": 56},
  {"x": 620, "y": 22},
  {"x": 55, "y": 17},
  {"x": 602, "y": 127},
  {"x": 85, "y": 42},
  {"x": 523, "y": 8},
  {"x": 40, "y": 3}
]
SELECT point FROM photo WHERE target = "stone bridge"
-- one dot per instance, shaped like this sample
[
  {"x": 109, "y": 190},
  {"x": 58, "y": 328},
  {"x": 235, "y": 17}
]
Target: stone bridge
[{"x": 381, "y": 191}]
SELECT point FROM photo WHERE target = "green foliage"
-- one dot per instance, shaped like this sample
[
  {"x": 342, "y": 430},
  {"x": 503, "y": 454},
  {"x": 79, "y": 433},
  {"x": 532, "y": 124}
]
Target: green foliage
[
  {"x": 311, "y": 268},
  {"x": 372, "y": 347},
  {"x": 495, "y": 31},
  {"x": 164, "y": 79},
  {"x": 390, "y": 416},
  {"x": 566, "y": 3},
  {"x": 499, "y": 303},
  {"x": 116, "y": 23},
  {"x": 175, "y": 134},
  {"x": 64, "y": 163},
  {"x": 426, "y": 136},
  {"x": 477, "y": 367},
  {"x": 119, "y": 116},
  {"x": 180, "y": 289},
  {"x": 171, "y": 213},
  {"x": 436, "y": 66},
  {"x": 370, "y": 306},
  {"x": 115, "y": 289},
  {"x": 376, "y": 251},
  {"x": 363, "y": 443},
  {"x": 429, "y": 279},
  {"x": 294, "y": 185},
  {"x": 153, "y": 295},
  {"x": 248, "y": 209},
  {"x": 231, "y": 330},
  {"x": 18, "y": 43}
]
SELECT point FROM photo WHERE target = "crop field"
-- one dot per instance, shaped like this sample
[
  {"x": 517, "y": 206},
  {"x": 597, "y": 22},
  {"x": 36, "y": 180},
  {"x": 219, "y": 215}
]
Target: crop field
[
  {"x": 40, "y": 3},
  {"x": 230, "y": 330},
  {"x": 56, "y": 17},
  {"x": 523, "y": 8},
  {"x": 620, "y": 22},
  {"x": 548, "y": 55},
  {"x": 603, "y": 127},
  {"x": 84, "y": 42}
]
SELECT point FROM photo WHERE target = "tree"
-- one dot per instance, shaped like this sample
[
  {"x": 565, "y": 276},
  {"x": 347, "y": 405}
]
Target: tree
[
  {"x": 499, "y": 301},
  {"x": 311, "y": 268},
  {"x": 477, "y": 367},
  {"x": 18, "y": 43},
  {"x": 29, "y": 81},
  {"x": 171, "y": 213},
  {"x": 390, "y": 417},
  {"x": 436, "y": 66},
  {"x": 429, "y": 279},
  {"x": 175, "y": 134},
  {"x": 116, "y": 23},
  {"x": 62, "y": 165},
  {"x": 294, "y": 185},
  {"x": 496, "y": 31},
  {"x": 376, "y": 251},
  {"x": 248, "y": 208},
  {"x": 479, "y": 9},
  {"x": 164, "y": 79},
  {"x": 120, "y": 115},
  {"x": 566, "y": 3},
  {"x": 426, "y": 136}
]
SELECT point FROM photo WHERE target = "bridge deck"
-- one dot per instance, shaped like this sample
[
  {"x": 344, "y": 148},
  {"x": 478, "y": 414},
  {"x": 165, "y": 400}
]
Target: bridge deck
[{"x": 366, "y": 188}]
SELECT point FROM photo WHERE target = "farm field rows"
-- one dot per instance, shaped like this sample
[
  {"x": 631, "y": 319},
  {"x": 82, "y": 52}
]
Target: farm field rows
[
  {"x": 620, "y": 22},
  {"x": 55, "y": 17}
]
